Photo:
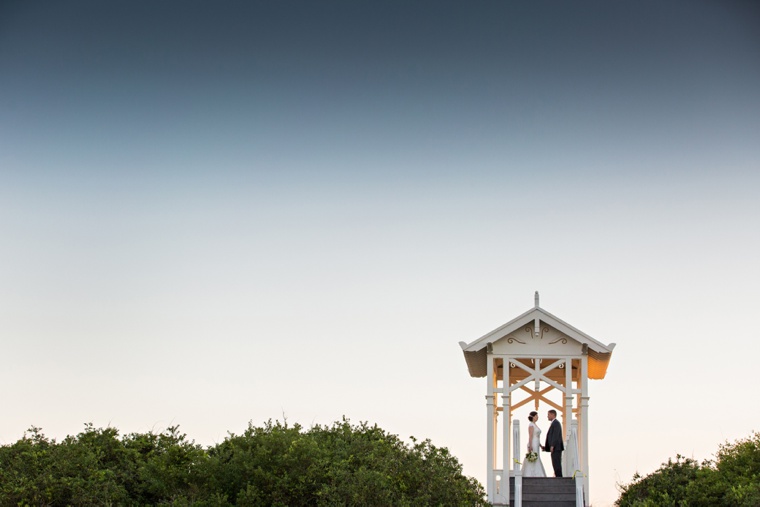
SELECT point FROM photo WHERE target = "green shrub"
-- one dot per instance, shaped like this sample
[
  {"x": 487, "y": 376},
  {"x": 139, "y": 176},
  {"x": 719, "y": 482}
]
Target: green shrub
[
  {"x": 732, "y": 479},
  {"x": 271, "y": 465}
]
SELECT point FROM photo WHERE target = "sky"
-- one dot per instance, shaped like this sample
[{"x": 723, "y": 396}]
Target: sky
[{"x": 220, "y": 212}]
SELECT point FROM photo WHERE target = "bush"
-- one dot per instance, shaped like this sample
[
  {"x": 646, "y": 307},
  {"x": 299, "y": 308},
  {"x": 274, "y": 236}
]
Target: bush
[
  {"x": 270, "y": 465},
  {"x": 732, "y": 479}
]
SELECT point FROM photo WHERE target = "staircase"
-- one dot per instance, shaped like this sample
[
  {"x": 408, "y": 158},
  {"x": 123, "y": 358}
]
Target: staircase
[{"x": 544, "y": 492}]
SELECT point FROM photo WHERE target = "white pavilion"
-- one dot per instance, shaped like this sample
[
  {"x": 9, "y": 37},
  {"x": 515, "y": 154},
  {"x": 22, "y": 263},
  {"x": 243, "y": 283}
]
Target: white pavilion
[{"x": 531, "y": 359}]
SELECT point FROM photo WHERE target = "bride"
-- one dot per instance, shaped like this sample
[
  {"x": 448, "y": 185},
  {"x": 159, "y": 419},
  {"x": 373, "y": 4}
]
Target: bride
[{"x": 533, "y": 468}]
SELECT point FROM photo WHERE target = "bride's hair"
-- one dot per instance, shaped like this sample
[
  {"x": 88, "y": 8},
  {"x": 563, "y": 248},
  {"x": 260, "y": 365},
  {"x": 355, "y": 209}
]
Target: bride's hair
[{"x": 530, "y": 417}]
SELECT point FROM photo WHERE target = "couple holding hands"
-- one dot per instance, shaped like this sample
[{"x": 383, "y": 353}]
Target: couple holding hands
[{"x": 554, "y": 445}]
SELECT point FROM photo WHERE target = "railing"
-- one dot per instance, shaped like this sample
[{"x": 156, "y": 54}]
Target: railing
[
  {"x": 497, "y": 481},
  {"x": 572, "y": 463},
  {"x": 516, "y": 459}
]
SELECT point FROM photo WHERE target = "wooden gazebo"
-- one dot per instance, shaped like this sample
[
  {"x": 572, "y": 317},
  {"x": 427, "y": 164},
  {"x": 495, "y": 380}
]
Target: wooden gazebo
[{"x": 534, "y": 354}]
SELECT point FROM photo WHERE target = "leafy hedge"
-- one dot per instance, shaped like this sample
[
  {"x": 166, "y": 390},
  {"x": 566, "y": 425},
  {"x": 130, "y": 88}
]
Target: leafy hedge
[
  {"x": 271, "y": 465},
  {"x": 732, "y": 479}
]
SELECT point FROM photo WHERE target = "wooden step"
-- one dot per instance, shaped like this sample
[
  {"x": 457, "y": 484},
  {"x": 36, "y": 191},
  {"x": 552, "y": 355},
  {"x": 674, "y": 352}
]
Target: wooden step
[{"x": 545, "y": 491}]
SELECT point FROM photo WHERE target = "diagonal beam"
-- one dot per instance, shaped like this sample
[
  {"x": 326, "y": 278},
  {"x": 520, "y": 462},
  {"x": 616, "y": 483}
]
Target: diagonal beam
[
  {"x": 536, "y": 373},
  {"x": 521, "y": 403},
  {"x": 537, "y": 396},
  {"x": 551, "y": 366},
  {"x": 541, "y": 392},
  {"x": 550, "y": 402},
  {"x": 524, "y": 381},
  {"x": 524, "y": 367}
]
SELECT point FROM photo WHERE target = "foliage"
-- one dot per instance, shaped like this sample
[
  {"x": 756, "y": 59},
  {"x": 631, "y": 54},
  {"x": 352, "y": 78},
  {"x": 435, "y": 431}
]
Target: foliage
[
  {"x": 98, "y": 468},
  {"x": 732, "y": 479},
  {"x": 275, "y": 464}
]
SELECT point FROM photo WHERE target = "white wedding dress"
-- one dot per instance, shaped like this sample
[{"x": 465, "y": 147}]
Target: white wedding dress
[{"x": 536, "y": 468}]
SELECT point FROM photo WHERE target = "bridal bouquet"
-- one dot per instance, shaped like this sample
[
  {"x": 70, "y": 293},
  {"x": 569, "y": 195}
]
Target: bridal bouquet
[{"x": 531, "y": 456}]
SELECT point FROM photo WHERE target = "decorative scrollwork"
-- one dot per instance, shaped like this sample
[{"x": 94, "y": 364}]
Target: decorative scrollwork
[
  {"x": 560, "y": 339},
  {"x": 562, "y": 366},
  {"x": 512, "y": 339},
  {"x": 512, "y": 365},
  {"x": 543, "y": 330}
]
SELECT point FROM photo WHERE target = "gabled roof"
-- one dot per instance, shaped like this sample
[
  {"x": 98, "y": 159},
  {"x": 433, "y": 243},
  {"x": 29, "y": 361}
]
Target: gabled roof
[{"x": 599, "y": 353}]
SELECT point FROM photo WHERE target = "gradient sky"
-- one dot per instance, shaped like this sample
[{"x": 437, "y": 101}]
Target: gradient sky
[{"x": 216, "y": 212}]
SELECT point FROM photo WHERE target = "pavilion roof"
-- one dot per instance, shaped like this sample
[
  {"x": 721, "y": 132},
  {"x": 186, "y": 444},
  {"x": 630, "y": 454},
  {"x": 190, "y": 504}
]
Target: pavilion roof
[{"x": 599, "y": 354}]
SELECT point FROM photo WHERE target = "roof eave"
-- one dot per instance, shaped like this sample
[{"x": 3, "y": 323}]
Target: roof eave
[{"x": 549, "y": 318}]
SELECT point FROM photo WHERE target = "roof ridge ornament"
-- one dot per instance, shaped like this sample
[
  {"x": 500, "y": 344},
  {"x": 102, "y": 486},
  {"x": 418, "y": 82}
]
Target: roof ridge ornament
[{"x": 535, "y": 299}]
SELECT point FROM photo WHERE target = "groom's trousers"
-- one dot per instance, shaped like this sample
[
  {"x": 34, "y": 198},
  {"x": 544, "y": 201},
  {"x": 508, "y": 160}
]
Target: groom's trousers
[{"x": 557, "y": 463}]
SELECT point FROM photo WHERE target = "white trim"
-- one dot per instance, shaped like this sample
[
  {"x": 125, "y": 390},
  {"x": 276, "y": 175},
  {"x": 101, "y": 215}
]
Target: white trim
[
  {"x": 532, "y": 315},
  {"x": 490, "y": 419}
]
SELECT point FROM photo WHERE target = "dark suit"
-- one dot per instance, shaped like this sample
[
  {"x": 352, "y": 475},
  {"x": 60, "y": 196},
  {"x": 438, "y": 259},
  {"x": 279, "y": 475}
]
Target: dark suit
[{"x": 554, "y": 439}]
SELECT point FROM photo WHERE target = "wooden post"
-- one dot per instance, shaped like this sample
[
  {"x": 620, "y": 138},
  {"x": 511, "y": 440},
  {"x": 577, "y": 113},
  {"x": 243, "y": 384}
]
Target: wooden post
[
  {"x": 506, "y": 407},
  {"x": 568, "y": 396},
  {"x": 584, "y": 425},
  {"x": 516, "y": 460},
  {"x": 490, "y": 420}
]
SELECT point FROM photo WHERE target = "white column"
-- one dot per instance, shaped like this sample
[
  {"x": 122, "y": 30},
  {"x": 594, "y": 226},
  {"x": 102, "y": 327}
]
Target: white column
[
  {"x": 578, "y": 479},
  {"x": 568, "y": 397},
  {"x": 506, "y": 426},
  {"x": 490, "y": 419},
  {"x": 516, "y": 460},
  {"x": 584, "y": 425}
]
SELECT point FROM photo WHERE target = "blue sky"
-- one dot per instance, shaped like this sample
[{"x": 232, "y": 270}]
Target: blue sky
[{"x": 214, "y": 214}]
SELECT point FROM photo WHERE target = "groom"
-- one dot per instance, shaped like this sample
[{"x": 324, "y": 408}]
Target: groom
[{"x": 554, "y": 442}]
